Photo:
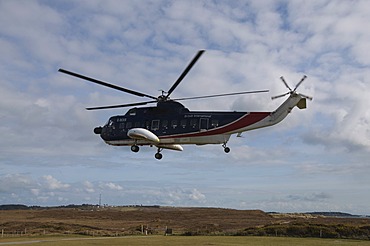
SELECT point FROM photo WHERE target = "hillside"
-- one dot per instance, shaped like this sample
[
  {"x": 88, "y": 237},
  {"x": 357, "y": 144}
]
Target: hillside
[{"x": 113, "y": 221}]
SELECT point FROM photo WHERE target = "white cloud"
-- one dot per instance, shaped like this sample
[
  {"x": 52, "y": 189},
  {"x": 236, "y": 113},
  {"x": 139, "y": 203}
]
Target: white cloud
[
  {"x": 89, "y": 187},
  {"x": 35, "y": 192},
  {"x": 197, "y": 195},
  {"x": 12, "y": 182},
  {"x": 54, "y": 184},
  {"x": 110, "y": 186}
]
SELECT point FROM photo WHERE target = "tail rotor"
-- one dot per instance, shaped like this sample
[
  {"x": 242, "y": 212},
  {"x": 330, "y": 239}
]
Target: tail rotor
[
  {"x": 292, "y": 92},
  {"x": 285, "y": 83}
]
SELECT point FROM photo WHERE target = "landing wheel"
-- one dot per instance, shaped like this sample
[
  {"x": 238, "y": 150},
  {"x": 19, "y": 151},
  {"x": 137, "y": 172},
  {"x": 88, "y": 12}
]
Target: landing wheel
[
  {"x": 135, "y": 148},
  {"x": 158, "y": 156},
  {"x": 226, "y": 149}
]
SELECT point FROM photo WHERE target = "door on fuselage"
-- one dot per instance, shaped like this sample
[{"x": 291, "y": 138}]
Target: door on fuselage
[{"x": 203, "y": 124}]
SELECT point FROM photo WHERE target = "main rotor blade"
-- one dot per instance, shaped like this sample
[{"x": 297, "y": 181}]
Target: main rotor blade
[
  {"x": 220, "y": 95},
  {"x": 121, "y": 106},
  {"x": 116, "y": 87},
  {"x": 185, "y": 72}
]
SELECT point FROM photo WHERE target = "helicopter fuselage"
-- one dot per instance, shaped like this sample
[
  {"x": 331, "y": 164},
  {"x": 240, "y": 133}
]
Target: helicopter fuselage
[{"x": 173, "y": 123}]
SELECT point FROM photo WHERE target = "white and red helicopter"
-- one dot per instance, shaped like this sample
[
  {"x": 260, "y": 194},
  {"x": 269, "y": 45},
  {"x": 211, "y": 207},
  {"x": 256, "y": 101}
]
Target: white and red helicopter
[{"x": 169, "y": 124}]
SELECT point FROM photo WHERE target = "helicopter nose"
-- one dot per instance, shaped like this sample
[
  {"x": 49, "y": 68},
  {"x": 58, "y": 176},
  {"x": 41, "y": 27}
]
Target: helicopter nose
[{"x": 98, "y": 130}]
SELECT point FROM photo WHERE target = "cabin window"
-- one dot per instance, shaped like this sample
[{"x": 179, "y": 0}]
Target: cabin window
[
  {"x": 183, "y": 123},
  {"x": 174, "y": 123},
  {"x": 193, "y": 123},
  {"x": 165, "y": 124},
  {"x": 214, "y": 123},
  {"x": 137, "y": 124},
  {"x": 155, "y": 125},
  {"x": 121, "y": 125},
  {"x": 147, "y": 124},
  {"x": 129, "y": 125}
]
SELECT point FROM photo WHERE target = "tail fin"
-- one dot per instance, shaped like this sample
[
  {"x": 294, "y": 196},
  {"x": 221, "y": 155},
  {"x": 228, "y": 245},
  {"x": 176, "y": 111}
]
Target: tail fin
[{"x": 302, "y": 103}]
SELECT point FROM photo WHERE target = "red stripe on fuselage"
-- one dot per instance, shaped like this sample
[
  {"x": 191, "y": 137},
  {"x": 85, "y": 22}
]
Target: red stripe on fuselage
[{"x": 244, "y": 121}]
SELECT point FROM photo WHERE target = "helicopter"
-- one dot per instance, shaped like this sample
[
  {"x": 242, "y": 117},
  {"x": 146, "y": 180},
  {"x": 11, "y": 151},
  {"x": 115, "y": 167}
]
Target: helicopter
[{"x": 169, "y": 124}]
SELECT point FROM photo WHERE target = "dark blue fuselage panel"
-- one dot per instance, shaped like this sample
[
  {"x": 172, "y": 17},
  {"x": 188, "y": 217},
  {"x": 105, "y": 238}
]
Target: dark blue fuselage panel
[{"x": 172, "y": 119}]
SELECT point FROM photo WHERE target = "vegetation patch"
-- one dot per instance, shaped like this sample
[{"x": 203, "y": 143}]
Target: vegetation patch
[{"x": 155, "y": 220}]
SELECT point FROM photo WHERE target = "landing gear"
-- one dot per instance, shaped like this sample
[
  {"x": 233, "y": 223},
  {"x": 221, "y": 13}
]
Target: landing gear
[
  {"x": 135, "y": 148},
  {"x": 158, "y": 155},
  {"x": 226, "y": 149}
]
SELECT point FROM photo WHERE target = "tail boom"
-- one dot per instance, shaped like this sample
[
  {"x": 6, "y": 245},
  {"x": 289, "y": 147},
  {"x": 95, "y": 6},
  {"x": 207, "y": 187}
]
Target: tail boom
[{"x": 294, "y": 100}]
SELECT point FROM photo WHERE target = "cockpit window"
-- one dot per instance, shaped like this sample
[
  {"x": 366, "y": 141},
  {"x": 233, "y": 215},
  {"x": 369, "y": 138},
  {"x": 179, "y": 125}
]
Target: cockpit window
[
  {"x": 132, "y": 111},
  {"x": 109, "y": 123}
]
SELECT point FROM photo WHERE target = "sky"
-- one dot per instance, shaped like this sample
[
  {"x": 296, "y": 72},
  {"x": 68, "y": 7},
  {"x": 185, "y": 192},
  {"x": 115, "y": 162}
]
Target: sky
[{"x": 317, "y": 159}]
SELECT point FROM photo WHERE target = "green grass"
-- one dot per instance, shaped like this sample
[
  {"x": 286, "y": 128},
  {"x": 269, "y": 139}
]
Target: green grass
[{"x": 182, "y": 240}]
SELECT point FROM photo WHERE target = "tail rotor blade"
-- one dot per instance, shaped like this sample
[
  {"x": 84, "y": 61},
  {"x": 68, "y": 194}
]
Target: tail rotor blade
[
  {"x": 285, "y": 83},
  {"x": 300, "y": 82},
  {"x": 305, "y": 96},
  {"x": 292, "y": 92},
  {"x": 283, "y": 95}
]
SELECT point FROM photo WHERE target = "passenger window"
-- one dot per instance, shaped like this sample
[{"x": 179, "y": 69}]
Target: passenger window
[
  {"x": 137, "y": 124},
  {"x": 174, "y": 123},
  {"x": 129, "y": 125},
  {"x": 214, "y": 123},
  {"x": 155, "y": 125},
  {"x": 183, "y": 123},
  {"x": 165, "y": 124},
  {"x": 193, "y": 123},
  {"x": 147, "y": 124},
  {"x": 121, "y": 125}
]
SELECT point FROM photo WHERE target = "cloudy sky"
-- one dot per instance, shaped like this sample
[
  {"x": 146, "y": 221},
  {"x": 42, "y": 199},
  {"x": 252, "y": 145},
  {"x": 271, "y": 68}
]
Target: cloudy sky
[{"x": 317, "y": 159}]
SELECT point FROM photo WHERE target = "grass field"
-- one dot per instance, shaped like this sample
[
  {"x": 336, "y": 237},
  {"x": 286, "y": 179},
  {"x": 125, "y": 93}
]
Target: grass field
[
  {"x": 203, "y": 226},
  {"x": 179, "y": 240}
]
